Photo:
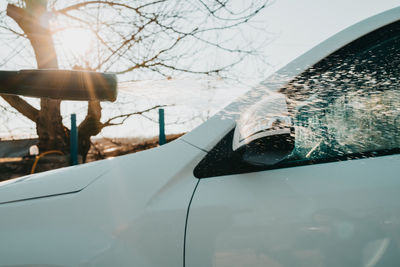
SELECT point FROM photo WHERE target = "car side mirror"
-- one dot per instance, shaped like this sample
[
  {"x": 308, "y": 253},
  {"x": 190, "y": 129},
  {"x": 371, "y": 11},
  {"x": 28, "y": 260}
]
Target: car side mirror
[
  {"x": 60, "y": 84},
  {"x": 264, "y": 135}
]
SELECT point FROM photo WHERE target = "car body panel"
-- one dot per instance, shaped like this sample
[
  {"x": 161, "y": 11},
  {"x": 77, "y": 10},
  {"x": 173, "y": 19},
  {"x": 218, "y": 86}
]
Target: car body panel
[
  {"x": 343, "y": 213},
  {"x": 333, "y": 214},
  {"x": 55, "y": 182},
  {"x": 137, "y": 207}
]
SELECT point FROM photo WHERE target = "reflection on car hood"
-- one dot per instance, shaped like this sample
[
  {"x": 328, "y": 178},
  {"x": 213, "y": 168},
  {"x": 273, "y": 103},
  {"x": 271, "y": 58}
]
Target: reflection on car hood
[{"x": 51, "y": 183}]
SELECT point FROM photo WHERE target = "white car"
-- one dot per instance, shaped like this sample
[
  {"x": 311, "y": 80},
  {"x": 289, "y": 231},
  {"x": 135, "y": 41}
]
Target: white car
[{"x": 303, "y": 170}]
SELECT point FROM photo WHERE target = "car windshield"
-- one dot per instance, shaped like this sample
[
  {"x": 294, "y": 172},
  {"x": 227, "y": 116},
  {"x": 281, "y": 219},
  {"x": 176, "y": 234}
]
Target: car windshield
[{"x": 347, "y": 104}]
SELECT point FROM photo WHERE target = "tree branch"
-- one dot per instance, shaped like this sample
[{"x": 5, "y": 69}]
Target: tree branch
[
  {"x": 38, "y": 35},
  {"x": 91, "y": 125},
  {"x": 145, "y": 62},
  {"x": 128, "y": 115},
  {"x": 83, "y": 4},
  {"x": 14, "y": 31},
  {"x": 223, "y": 6},
  {"x": 132, "y": 38},
  {"x": 22, "y": 106},
  {"x": 109, "y": 3}
]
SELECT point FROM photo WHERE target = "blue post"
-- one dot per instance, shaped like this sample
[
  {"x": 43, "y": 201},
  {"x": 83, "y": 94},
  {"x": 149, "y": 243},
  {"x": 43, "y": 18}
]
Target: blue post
[
  {"x": 74, "y": 141},
  {"x": 161, "y": 137}
]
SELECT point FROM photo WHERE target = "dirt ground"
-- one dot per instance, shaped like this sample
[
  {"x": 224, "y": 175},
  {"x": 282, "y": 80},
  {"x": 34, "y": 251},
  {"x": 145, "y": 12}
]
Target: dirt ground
[
  {"x": 101, "y": 148},
  {"x": 105, "y": 147}
]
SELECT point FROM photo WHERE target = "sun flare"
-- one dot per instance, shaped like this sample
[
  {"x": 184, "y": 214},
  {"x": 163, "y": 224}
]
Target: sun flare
[{"x": 76, "y": 41}]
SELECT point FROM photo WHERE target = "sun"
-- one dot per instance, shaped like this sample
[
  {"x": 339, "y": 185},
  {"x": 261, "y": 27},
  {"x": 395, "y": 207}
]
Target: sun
[{"x": 76, "y": 41}]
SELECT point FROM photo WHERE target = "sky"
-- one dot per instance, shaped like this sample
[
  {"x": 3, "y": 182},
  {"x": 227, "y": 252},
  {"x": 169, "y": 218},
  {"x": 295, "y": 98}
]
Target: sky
[
  {"x": 297, "y": 26},
  {"x": 293, "y": 27}
]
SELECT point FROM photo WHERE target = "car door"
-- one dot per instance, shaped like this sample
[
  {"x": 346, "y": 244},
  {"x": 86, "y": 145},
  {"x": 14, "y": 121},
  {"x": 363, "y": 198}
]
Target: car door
[{"x": 335, "y": 199}]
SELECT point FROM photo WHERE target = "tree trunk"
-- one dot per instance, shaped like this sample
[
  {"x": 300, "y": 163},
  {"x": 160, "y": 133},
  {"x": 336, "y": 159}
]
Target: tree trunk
[
  {"x": 53, "y": 135},
  {"x": 34, "y": 21},
  {"x": 90, "y": 126}
]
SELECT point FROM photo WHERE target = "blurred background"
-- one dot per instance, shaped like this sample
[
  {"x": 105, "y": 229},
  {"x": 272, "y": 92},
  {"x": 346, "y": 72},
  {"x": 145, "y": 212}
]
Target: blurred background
[{"x": 190, "y": 58}]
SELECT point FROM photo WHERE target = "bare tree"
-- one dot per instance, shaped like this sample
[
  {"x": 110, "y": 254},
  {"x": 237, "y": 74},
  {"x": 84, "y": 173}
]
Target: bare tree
[{"x": 157, "y": 37}]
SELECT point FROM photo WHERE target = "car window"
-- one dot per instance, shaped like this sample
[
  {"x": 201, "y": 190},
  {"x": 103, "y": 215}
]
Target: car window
[{"x": 348, "y": 105}]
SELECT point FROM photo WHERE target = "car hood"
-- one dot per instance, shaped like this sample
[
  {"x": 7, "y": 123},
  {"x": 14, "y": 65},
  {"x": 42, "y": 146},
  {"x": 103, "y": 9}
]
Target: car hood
[{"x": 51, "y": 183}]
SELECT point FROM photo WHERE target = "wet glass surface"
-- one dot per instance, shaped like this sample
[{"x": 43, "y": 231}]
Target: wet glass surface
[
  {"x": 346, "y": 106},
  {"x": 349, "y": 106}
]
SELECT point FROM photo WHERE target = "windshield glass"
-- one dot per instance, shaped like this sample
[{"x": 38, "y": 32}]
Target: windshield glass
[
  {"x": 348, "y": 104},
  {"x": 269, "y": 116}
]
